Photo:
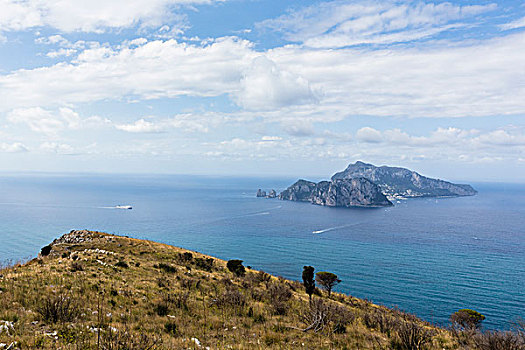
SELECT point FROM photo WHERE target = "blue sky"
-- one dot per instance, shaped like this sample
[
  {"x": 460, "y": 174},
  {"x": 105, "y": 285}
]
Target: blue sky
[{"x": 239, "y": 87}]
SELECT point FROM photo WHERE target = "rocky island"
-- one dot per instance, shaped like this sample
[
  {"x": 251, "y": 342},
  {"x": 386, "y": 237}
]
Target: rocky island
[
  {"x": 397, "y": 182},
  {"x": 356, "y": 192},
  {"x": 365, "y": 185}
]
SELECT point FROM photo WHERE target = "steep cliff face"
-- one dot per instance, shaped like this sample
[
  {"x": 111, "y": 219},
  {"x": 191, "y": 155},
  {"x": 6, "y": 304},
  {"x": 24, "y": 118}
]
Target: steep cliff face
[
  {"x": 400, "y": 182},
  {"x": 358, "y": 192},
  {"x": 301, "y": 191}
]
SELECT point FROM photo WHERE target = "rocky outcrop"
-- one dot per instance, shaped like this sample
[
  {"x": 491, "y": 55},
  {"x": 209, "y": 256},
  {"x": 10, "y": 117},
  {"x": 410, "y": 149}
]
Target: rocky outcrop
[
  {"x": 301, "y": 191},
  {"x": 358, "y": 192},
  {"x": 262, "y": 194},
  {"x": 403, "y": 183}
]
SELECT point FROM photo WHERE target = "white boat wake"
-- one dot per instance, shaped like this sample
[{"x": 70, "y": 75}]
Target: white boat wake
[
  {"x": 334, "y": 228},
  {"x": 126, "y": 207}
]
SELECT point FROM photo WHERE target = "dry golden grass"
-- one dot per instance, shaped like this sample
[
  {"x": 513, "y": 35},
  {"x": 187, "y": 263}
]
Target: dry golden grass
[{"x": 112, "y": 292}]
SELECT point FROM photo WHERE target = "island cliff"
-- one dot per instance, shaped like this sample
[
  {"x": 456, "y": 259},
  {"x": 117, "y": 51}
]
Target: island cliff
[
  {"x": 404, "y": 183},
  {"x": 357, "y": 192},
  {"x": 365, "y": 185}
]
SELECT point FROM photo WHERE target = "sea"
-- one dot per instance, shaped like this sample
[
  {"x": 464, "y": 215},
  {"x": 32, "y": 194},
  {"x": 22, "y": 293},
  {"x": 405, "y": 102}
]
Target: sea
[{"x": 429, "y": 256}]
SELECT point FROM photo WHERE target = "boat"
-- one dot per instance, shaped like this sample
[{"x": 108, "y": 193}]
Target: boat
[{"x": 123, "y": 207}]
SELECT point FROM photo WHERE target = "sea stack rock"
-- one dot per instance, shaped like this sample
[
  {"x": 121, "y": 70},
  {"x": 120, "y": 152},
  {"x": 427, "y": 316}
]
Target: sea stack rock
[
  {"x": 272, "y": 194},
  {"x": 261, "y": 193}
]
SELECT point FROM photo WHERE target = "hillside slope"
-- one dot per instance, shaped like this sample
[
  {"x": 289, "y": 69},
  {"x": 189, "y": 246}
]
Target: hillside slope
[{"x": 92, "y": 290}]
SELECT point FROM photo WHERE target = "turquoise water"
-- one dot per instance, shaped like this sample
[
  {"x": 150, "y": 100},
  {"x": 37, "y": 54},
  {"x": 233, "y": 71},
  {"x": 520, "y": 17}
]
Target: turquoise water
[{"x": 427, "y": 256}]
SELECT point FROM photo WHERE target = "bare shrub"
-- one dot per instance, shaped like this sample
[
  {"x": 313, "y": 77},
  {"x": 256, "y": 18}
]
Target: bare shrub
[
  {"x": 58, "y": 308},
  {"x": 320, "y": 316},
  {"x": 76, "y": 266},
  {"x": 278, "y": 295},
  {"x": 494, "y": 340},
  {"x": 257, "y": 278},
  {"x": 179, "y": 300},
  {"x": 230, "y": 297},
  {"x": 116, "y": 340},
  {"x": 411, "y": 336},
  {"x": 380, "y": 320}
]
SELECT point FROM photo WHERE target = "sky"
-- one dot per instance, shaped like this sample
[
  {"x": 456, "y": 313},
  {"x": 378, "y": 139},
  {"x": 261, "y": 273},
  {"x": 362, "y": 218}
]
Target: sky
[{"x": 263, "y": 87}]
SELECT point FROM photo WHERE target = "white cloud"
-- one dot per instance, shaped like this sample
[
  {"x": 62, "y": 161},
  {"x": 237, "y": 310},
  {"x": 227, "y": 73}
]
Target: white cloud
[
  {"x": 368, "y": 134},
  {"x": 15, "y": 147},
  {"x": 298, "y": 127},
  {"x": 474, "y": 79},
  {"x": 153, "y": 70},
  {"x": 344, "y": 23},
  {"x": 58, "y": 148},
  {"x": 140, "y": 126},
  {"x": 187, "y": 122},
  {"x": 271, "y": 138},
  {"x": 89, "y": 16},
  {"x": 51, "y": 122},
  {"x": 518, "y": 23},
  {"x": 265, "y": 86}
]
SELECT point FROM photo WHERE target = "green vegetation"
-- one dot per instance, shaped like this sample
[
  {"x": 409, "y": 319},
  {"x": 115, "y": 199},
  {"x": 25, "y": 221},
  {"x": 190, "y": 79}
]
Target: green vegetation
[
  {"x": 98, "y": 291},
  {"x": 327, "y": 280},
  {"x": 308, "y": 281},
  {"x": 236, "y": 267},
  {"x": 466, "y": 319}
]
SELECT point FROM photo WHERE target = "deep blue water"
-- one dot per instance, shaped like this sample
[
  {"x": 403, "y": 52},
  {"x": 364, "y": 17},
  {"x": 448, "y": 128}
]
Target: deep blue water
[{"x": 427, "y": 256}]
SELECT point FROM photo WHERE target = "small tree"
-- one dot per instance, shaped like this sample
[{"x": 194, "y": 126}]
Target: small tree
[
  {"x": 327, "y": 280},
  {"x": 236, "y": 267},
  {"x": 466, "y": 319},
  {"x": 308, "y": 281}
]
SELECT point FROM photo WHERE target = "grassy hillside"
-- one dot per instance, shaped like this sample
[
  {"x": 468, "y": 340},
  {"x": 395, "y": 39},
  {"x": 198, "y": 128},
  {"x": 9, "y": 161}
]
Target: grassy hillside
[{"x": 91, "y": 290}]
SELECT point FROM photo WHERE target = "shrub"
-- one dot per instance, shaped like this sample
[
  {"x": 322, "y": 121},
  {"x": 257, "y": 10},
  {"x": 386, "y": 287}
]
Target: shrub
[
  {"x": 466, "y": 319},
  {"x": 205, "y": 264},
  {"x": 321, "y": 315},
  {"x": 58, "y": 308},
  {"x": 76, "y": 266},
  {"x": 236, "y": 267},
  {"x": 327, "y": 280},
  {"x": 122, "y": 264},
  {"x": 493, "y": 340},
  {"x": 378, "y": 319},
  {"x": 230, "y": 297},
  {"x": 411, "y": 336},
  {"x": 278, "y": 296},
  {"x": 171, "y": 328},
  {"x": 308, "y": 281},
  {"x": 45, "y": 250},
  {"x": 185, "y": 257},
  {"x": 167, "y": 268},
  {"x": 161, "y": 309}
]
